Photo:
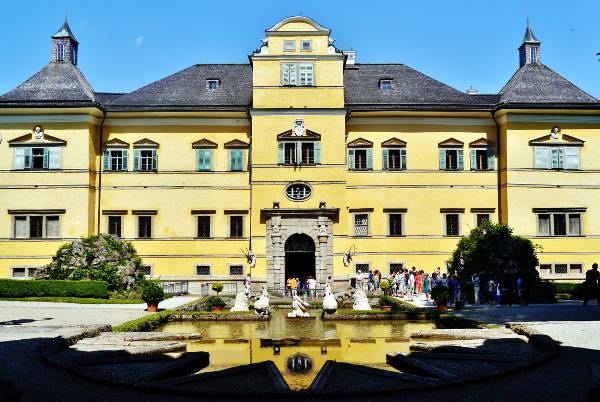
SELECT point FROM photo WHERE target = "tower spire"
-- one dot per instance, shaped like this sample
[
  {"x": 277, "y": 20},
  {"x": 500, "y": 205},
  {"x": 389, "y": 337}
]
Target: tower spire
[
  {"x": 64, "y": 44},
  {"x": 529, "y": 51}
]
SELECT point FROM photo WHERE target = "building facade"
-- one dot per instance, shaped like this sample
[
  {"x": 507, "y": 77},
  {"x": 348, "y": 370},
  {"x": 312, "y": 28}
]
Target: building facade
[{"x": 301, "y": 162}]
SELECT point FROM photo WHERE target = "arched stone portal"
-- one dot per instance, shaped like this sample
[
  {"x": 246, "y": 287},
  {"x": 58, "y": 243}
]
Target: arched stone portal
[{"x": 300, "y": 257}]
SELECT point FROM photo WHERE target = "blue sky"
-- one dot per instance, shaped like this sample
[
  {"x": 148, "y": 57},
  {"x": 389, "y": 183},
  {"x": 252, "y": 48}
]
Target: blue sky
[{"x": 127, "y": 44}]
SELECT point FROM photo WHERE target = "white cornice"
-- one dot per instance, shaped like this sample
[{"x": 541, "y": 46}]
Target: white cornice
[
  {"x": 297, "y": 112},
  {"x": 297, "y": 33},
  {"x": 299, "y": 57},
  {"x": 548, "y": 118},
  {"x": 51, "y": 118},
  {"x": 174, "y": 121},
  {"x": 443, "y": 121}
]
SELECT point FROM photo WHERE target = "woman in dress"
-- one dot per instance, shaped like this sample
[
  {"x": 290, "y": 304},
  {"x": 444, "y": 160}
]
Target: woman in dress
[{"x": 427, "y": 286}]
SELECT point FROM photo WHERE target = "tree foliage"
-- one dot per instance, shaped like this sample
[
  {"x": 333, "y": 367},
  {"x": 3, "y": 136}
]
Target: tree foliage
[
  {"x": 493, "y": 252},
  {"x": 103, "y": 258}
]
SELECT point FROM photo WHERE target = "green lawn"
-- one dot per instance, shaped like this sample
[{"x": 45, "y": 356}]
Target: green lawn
[{"x": 78, "y": 300}]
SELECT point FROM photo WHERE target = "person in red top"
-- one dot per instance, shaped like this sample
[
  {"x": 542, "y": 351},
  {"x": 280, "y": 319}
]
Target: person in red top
[{"x": 419, "y": 282}]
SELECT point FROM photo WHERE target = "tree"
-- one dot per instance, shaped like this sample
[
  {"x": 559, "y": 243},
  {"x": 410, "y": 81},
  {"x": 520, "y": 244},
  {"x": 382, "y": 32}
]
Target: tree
[{"x": 493, "y": 252}]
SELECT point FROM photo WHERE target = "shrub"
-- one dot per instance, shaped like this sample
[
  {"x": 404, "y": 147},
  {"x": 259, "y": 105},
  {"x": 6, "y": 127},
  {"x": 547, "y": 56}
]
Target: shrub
[
  {"x": 441, "y": 295},
  {"x": 146, "y": 323},
  {"x": 216, "y": 302},
  {"x": 385, "y": 286},
  {"x": 152, "y": 291},
  {"x": 102, "y": 257},
  {"x": 217, "y": 287},
  {"x": 385, "y": 300},
  {"x": 576, "y": 289},
  {"x": 35, "y": 288}
]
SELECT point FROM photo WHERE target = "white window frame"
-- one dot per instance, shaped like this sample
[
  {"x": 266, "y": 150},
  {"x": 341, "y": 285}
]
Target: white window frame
[
  {"x": 489, "y": 152},
  {"x": 550, "y": 273},
  {"x": 489, "y": 217},
  {"x": 210, "y": 82},
  {"x": 229, "y": 226},
  {"x": 562, "y": 160},
  {"x": 352, "y": 161},
  {"x": 236, "y": 265},
  {"x": 197, "y": 221},
  {"x": 23, "y": 158},
  {"x": 383, "y": 84},
  {"x": 28, "y": 230},
  {"x": 297, "y": 75},
  {"x": 151, "y": 274},
  {"x": 60, "y": 52},
  {"x": 567, "y": 226},
  {"x": 28, "y": 271},
  {"x": 354, "y": 216},
  {"x": 153, "y": 159},
  {"x": 402, "y": 224},
  {"x": 124, "y": 157},
  {"x": 210, "y": 270},
  {"x": 445, "y": 214},
  {"x": 385, "y": 154},
  {"x": 368, "y": 264},
  {"x": 459, "y": 153},
  {"x": 389, "y": 265},
  {"x": 108, "y": 224},
  {"x": 291, "y": 48},
  {"x": 309, "y": 48},
  {"x": 137, "y": 226}
]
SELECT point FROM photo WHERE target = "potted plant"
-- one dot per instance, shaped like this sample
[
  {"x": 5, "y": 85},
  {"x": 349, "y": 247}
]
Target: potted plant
[
  {"x": 441, "y": 294},
  {"x": 152, "y": 293},
  {"x": 386, "y": 302},
  {"x": 216, "y": 304},
  {"x": 217, "y": 287},
  {"x": 385, "y": 286}
]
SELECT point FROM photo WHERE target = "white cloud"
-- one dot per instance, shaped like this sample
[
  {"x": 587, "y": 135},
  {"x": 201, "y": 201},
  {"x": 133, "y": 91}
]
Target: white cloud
[{"x": 139, "y": 40}]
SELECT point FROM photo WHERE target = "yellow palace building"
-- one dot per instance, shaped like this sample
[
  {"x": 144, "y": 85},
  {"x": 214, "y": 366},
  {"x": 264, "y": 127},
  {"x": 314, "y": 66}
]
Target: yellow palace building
[{"x": 300, "y": 162}]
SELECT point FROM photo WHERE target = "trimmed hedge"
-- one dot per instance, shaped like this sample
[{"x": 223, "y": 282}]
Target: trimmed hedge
[
  {"x": 39, "y": 288},
  {"x": 145, "y": 324},
  {"x": 575, "y": 289}
]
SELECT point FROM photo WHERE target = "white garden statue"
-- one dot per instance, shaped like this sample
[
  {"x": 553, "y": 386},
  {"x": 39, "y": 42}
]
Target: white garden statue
[
  {"x": 241, "y": 302},
  {"x": 361, "y": 302},
  {"x": 261, "y": 306},
  {"x": 329, "y": 302},
  {"x": 299, "y": 307}
]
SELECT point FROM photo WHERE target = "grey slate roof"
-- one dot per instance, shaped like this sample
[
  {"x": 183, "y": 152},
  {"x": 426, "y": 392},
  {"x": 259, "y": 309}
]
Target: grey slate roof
[
  {"x": 187, "y": 90},
  {"x": 410, "y": 89},
  {"x": 538, "y": 84},
  {"x": 59, "y": 82},
  {"x": 105, "y": 97},
  {"x": 64, "y": 32}
]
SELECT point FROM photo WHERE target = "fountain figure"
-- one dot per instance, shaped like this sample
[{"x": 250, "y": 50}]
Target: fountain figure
[
  {"x": 299, "y": 307},
  {"x": 361, "y": 302},
  {"x": 241, "y": 302},
  {"x": 329, "y": 302},
  {"x": 261, "y": 306}
]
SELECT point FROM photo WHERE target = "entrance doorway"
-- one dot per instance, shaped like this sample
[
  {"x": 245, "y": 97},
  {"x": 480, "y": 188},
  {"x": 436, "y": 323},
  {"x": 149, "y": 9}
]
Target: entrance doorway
[{"x": 299, "y": 257}]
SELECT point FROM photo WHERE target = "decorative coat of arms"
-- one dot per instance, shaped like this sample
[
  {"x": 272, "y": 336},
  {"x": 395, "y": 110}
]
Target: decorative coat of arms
[
  {"x": 299, "y": 127},
  {"x": 38, "y": 134}
]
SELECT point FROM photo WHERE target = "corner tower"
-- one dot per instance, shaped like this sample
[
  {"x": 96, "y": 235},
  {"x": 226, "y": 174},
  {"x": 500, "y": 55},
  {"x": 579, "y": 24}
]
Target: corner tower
[
  {"x": 64, "y": 45},
  {"x": 529, "y": 51}
]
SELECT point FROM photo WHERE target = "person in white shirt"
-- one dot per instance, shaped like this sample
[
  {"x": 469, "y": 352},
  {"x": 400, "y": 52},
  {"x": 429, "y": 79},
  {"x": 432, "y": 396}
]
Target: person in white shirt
[{"x": 359, "y": 280}]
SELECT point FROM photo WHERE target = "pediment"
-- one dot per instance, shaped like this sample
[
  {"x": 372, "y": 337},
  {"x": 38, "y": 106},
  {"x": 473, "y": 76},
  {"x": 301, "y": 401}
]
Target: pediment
[
  {"x": 360, "y": 143},
  {"x": 482, "y": 142},
  {"x": 116, "y": 143},
  {"x": 393, "y": 142},
  {"x": 563, "y": 140},
  {"x": 450, "y": 143},
  {"x": 236, "y": 144},
  {"x": 308, "y": 135},
  {"x": 203, "y": 143},
  {"x": 145, "y": 143},
  {"x": 29, "y": 140}
]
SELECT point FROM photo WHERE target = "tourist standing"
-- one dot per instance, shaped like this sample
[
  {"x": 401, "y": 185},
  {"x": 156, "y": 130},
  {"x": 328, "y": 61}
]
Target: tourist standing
[
  {"x": 359, "y": 280},
  {"x": 427, "y": 286},
  {"x": 411, "y": 286},
  {"x": 401, "y": 283},
  {"x": 476, "y": 283},
  {"x": 370, "y": 281},
  {"x": 492, "y": 291},
  {"x": 312, "y": 286},
  {"x": 418, "y": 283},
  {"x": 451, "y": 286},
  {"x": 444, "y": 280},
  {"x": 434, "y": 280},
  {"x": 293, "y": 286},
  {"x": 288, "y": 287},
  {"x": 498, "y": 292},
  {"x": 592, "y": 279}
]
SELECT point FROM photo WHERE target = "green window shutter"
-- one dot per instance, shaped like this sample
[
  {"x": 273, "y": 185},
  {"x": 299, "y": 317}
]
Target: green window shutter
[
  {"x": 369, "y": 159},
  {"x": 137, "y": 159},
  {"x": 461, "y": 162},
  {"x": 241, "y": 160},
  {"x": 298, "y": 153},
  {"x": 285, "y": 74},
  {"x": 293, "y": 74},
  {"x": 385, "y": 154},
  {"x": 571, "y": 158},
  {"x": 442, "y": 159},
  {"x": 45, "y": 158},
  {"x": 154, "y": 160},
  {"x": 541, "y": 157},
  {"x": 491, "y": 158},
  {"x": 280, "y": 153},
  {"x": 19, "y": 158},
  {"x": 199, "y": 159},
  {"x": 27, "y": 159},
  {"x": 473, "y": 159},
  {"x": 106, "y": 160},
  {"x": 236, "y": 159},
  {"x": 125, "y": 158},
  {"x": 232, "y": 160},
  {"x": 561, "y": 161},
  {"x": 54, "y": 158},
  {"x": 208, "y": 159},
  {"x": 403, "y": 158},
  {"x": 317, "y": 150},
  {"x": 350, "y": 159}
]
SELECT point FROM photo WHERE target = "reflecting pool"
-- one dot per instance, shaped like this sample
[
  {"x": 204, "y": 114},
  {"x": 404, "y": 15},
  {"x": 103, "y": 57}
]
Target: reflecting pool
[{"x": 233, "y": 343}]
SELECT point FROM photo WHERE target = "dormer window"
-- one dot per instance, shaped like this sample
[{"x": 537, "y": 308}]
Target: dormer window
[
  {"x": 212, "y": 84},
  {"x": 60, "y": 52},
  {"x": 289, "y": 45},
  {"x": 385, "y": 84},
  {"x": 306, "y": 45}
]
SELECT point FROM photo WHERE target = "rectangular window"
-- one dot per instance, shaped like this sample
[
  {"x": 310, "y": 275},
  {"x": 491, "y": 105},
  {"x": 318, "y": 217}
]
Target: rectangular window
[
  {"x": 571, "y": 158},
  {"x": 289, "y": 153},
  {"x": 361, "y": 225},
  {"x": 301, "y": 152},
  {"x": 576, "y": 268},
  {"x": 452, "y": 225},
  {"x": 204, "y": 157},
  {"x": 385, "y": 84},
  {"x": 396, "y": 267},
  {"x": 293, "y": 74},
  {"x": 451, "y": 159},
  {"x": 19, "y": 273},
  {"x": 145, "y": 160},
  {"x": 308, "y": 153},
  {"x": 36, "y": 227},
  {"x": 115, "y": 160},
  {"x": 393, "y": 159},
  {"x": 20, "y": 230},
  {"x": 574, "y": 224},
  {"x": 363, "y": 159},
  {"x": 114, "y": 225},
  {"x": 236, "y": 160},
  {"x": 559, "y": 224},
  {"x": 52, "y": 227},
  {"x": 37, "y": 158},
  {"x": 212, "y": 84},
  {"x": 289, "y": 45},
  {"x": 60, "y": 52},
  {"x": 481, "y": 218},
  {"x": 236, "y": 270},
  {"x": 560, "y": 268},
  {"x": 482, "y": 159},
  {"x": 236, "y": 226},
  {"x": 306, "y": 45},
  {"x": 202, "y": 269},
  {"x": 362, "y": 268},
  {"x": 144, "y": 227},
  {"x": 395, "y": 225},
  {"x": 203, "y": 227},
  {"x": 147, "y": 269},
  {"x": 556, "y": 158}
]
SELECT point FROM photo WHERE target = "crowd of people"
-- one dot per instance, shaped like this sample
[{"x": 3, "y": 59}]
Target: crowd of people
[{"x": 308, "y": 288}]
